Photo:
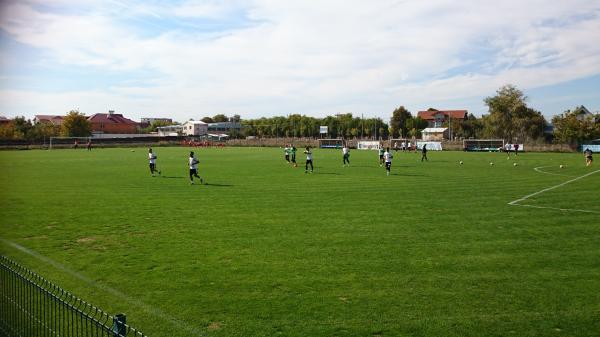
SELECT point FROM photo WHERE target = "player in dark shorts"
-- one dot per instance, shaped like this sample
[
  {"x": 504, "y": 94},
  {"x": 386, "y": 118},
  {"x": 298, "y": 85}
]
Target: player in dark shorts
[
  {"x": 309, "y": 160},
  {"x": 381, "y": 152},
  {"x": 588, "y": 157},
  {"x": 193, "y": 163},
  {"x": 287, "y": 154},
  {"x": 152, "y": 159},
  {"x": 89, "y": 145},
  {"x": 293, "y": 155},
  {"x": 516, "y": 146},
  {"x": 424, "y": 153}
]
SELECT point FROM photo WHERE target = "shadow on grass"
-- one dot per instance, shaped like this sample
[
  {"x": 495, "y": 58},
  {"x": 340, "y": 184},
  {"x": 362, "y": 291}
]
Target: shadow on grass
[{"x": 217, "y": 185}]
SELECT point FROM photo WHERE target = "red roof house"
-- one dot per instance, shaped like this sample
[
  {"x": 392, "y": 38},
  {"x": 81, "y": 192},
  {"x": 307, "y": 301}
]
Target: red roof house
[
  {"x": 436, "y": 119},
  {"x": 53, "y": 119},
  {"x": 112, "y": 123}
]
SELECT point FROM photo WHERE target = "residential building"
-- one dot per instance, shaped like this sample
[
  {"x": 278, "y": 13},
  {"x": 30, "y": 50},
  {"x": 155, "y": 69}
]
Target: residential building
[
  {"x": 4, "y": 120},
  {"x": 195, "y": 128},
  {"x": 147, "y": 121},
  {"x": 55, "y": 120},
  {"x": 112, "y": 123},
  {"x": 434, "y": 134},
  {"x": 171, "y": 130},
  {"x": 437, "y": 118},
  {"x": 225, "y": 128}
]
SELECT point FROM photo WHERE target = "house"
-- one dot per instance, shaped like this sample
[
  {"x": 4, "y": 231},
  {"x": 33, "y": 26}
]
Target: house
[
  {"x": 437, "y": 118},
  {"x": 195, "y": 128},
  {"x": 55, "y": 120},
  {"x": 112, "y": 123},
  {"x": 225, "y": 127},
  {"x": 582, "y": 113},
  {"x": 171, "y": 130},
  {"x": 434, "y": 134},
  {"x": 4, "y": 120}
]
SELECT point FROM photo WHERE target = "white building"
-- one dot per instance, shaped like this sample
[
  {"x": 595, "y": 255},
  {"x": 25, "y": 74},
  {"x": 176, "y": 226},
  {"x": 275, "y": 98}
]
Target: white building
[
  {"x": 430, "y": 134},
  {"x": 195, "y": 128}
]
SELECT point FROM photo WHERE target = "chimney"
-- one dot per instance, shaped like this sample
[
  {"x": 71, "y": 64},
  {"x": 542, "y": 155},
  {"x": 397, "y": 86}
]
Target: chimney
[{"x": 111, "y": 112}]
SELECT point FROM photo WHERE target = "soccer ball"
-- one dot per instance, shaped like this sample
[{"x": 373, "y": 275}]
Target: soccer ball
[
  {"x": 491, "y": 164},
  {"x": 562, "y": 166},
  {"x": 132, "y": 150},
  {"x": 515, "y": 164},
  {"x": 461, "y": 162}
]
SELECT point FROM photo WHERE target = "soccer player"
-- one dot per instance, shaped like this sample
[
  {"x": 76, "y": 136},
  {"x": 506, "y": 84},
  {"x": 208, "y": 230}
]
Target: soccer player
[
  {"x": 516, "y": 146},
  {"x": 287, "y": 153},
  {"x": 152, "y": 158},
  {"x": 588, "y": 157},
  {"x": 89, "y": 145},
  {"x": 193, "y": 162},
  {"x": 387, "y": 156},
  {"x": 76, "y": 144},
  {"x": 346, "y": 153},
  {"x": 309, "y": 160},
  {"x": 381, "y": 152},
  {"x": 424, "y": 152},
  {"x": 293, "y": 155}
]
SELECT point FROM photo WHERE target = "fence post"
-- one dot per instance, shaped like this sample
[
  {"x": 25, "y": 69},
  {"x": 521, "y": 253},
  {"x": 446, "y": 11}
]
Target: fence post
[{"x": 119, "y": 328}]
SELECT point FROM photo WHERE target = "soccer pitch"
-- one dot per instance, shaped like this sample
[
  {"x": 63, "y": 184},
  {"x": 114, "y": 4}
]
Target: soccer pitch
[{"x": 435, "y": 249}]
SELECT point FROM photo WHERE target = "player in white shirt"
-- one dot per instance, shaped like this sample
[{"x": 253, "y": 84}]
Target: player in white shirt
[
  {"x": 387, "y": 156},
  {"x": 152, "y": 159},
  {"x": 346, "y": 153},
  {"x": 309, "y": 160},
  {"x": 193, "y": 163}
]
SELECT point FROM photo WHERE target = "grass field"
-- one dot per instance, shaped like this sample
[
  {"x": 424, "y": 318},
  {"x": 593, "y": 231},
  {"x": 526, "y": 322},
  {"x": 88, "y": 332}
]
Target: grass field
[{"x": 266, "y": 250}]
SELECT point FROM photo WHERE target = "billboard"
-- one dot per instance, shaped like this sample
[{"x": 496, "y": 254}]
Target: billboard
[{"x": 323, "y": 129}]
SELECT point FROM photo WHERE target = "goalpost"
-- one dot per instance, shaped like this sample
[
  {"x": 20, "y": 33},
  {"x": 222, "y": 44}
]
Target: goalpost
[
  {"x": 58, "y": 141},
  {"x": 331, "y": 143},
  {"x": 486, "y": 145}
]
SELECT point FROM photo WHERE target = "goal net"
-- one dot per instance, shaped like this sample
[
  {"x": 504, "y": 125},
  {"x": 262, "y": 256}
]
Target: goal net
[
  {"x": 487, "y": 145},
  {"x": 331, "y": 143},
  {"x": 401, "y": 144},
  {"x": 65, "y": 142}
]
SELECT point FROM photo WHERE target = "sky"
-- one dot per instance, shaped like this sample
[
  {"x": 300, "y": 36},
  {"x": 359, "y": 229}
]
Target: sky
[{"x": 259, "y": 58}]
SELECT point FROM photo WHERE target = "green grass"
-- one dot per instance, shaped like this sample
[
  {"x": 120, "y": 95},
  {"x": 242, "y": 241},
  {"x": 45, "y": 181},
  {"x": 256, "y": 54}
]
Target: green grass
[{"x": 266, "y": 250}]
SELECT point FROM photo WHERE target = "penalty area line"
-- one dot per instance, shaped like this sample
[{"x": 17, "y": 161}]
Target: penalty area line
[
  {"x": 145, "y": 307},
  {"x": 517, "y": 202}
]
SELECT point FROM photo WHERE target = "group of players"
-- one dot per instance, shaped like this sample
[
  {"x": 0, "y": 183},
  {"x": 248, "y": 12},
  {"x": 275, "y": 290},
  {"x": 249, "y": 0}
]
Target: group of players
[
  {"x": 385, "y": 157},
  {"x": 192, "y": 163}
]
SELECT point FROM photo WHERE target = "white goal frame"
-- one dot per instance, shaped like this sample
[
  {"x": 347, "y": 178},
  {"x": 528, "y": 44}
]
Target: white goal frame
[
  {"x": 484, "y": 145},
  {"x": 82, "y": 141}
]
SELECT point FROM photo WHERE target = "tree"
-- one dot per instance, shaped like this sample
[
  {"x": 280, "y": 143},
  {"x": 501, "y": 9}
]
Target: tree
[
  {"x": 220, "y": 118},
  {"x": 207, "y": 120},
  {"x": 398, "y": 122},
  {"x": 22, "y": 127},
  {"x": 509, "y": 117},
  {"x": 573, "y": 128},
  {"x": 75, "y": 124}
]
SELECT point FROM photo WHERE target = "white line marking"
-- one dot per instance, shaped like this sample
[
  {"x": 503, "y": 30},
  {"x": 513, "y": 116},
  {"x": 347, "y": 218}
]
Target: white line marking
[
  {"x": 516, "y": 202},
  {"x": 145, "y": 307},
  {"x": 538, "y": 169}
]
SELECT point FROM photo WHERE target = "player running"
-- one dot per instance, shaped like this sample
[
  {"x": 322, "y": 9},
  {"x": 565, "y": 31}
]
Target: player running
[
  {"x": 152, "y": 158},
  {"x": 381, "y": 153},
  {"x": 193, "y": 163},
  {"x": 387, "y": 156},
  {"x": 309, "y": 160},
  {"x": 588, "y": 157},
  {"x": 287, "y": 153},
  {"x": 346, "y": 153},
  {"x": 424, "y": 153},
  {"x": 293, "y": 155}
]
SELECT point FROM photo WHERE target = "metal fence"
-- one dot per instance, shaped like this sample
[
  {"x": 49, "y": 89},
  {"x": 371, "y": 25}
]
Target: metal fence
[{"x": 31, "y": 306}]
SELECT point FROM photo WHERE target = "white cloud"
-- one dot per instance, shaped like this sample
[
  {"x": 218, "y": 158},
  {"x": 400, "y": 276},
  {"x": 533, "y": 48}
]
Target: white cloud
[{"x": 314, "y": 57}]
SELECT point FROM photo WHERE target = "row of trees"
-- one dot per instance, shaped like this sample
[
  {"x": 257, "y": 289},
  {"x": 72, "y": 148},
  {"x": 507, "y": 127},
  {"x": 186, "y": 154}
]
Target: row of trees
[
  {"x": 341, "y": 125},
  {"x": 75, "y": 124}
]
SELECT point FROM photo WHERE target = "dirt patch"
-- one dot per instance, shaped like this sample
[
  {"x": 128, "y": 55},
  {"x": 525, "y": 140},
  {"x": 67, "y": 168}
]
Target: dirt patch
[
  {"x": 214, "y": 326},
  {"x": 86, "y": 240}
]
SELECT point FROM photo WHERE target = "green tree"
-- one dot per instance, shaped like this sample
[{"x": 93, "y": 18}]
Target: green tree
[
  {"x": 75, "y": 124},
  {"x": 22, "y": 127},
  {"x": 220, "y": 118},
  {"x": 207, "y": 120},
  {"x": 509, "y": 117},
  {"x": 398, "y": 122},
  {"x": 573, "y": 128}
]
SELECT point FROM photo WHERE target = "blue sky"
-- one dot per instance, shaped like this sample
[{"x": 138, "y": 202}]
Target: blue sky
[{"x": 189, "y": 59}]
